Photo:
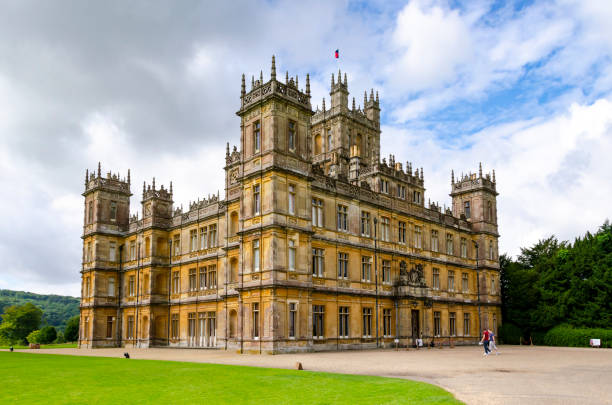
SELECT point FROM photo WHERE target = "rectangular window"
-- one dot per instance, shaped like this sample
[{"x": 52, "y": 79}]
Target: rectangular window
[
  {"x": 401, "y": 192},
  {"x": 343, "y": 265},
  {"x": 385, "y": 226},
  {"x": 418, "y": 237},
  {"x": 493, "y": 291},
  {"x": 132, "y": 250},
  {"x": 193, "y": 237},
  {"x": 416, "y": 197},
  {"x": 367, "y": 322},
  {"x": 111, "y": 286},
  {"x": 386, "y": 269},
  {"x": 435, "y": 284},
  {"x": 212, "y": 276},
  {"x": 191, "y": 328},
  {"x": 292, "y": 254},
  {"x": 175, "y": 326},
  {"x": 318, "y": 262},
  {"x": 317, "y": 212},
  {"x": 466, "y": 324},
  {"x": 176, "y": 282},
  {"x": 435, "y": 241},
  {"x": 292, "y": 319},
  {"x": 451, "y": 280},
  {"x": 464, "y": 283},
  {"x": 177, "y": 245},
  {"x": 109, "y": 327},
  {"x": 401, "y": 232},
  {"x": 291, "y": 199},
  {"x": 343, "y": 322},
  {"x": 491, "y": 253},
  {"x": 132, "y": 286},
  {"x": 342, "y": 218},
  {"x": 256, "y": 320},
  {"x": 203, "y": 238},
  {"x": 387, "y": 322},
  {"x": 256, "y": 258},
  {"x": 449, "y": 244},
  {"x": 366, "y": 268},
  {"x": 256, "y": 137},
  {"x": 87, "y": 286},
  {"x": 130, "y": 327},
  {"x": 112, "y": 252},
  {"x": 452, "y": 323},
  {"x": 365, "y": 223},
  {"x": 291, "y": 135},
  {"x": 466, "y": 209},
  {"x": 113, "y": 210},
  {"x": 90, "y": 213},
  {"x": 202, "y": 274},
  {"x": 212, "y": 235},
  {"x": 318, "y": 312},
  {"x": 192, "y": 280},
  {"x": 256, "y": 199},
  {"x": 384, "y": 186},
  {"x": 437, "y": 331},
  {"x": 464, "y": 248}
]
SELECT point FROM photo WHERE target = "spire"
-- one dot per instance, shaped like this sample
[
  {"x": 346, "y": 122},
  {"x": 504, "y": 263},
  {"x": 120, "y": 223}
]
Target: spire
[
  {"x": 287, "y": 77},
  {"x": 129, "y": 180},
  {"x": 227, "y": 150},
  {"x": 273, "y": 70},
  {"x": 308, "y": 84},
  {"x": 353, "y": 103},
  {"x": 376, "y": 96},
  {"x": 296, "y": 82},
  {"x": 171, "y": 187},
  {"x": 87, "y": 176},
  {"x": 371, "y": 95},
  {"x": 480, "y": 169},
  {"x": 493, "y": 175},
  {"x": 153, "y": 183},
  {"x": 252, "y": 82},
  {"x": 339, "y": 76},
  {"x": 452, "y": 177},
  {"x": 144, "y": 188},
  {"x": 243, "y": 87},
  {"x": 332, "y": 81},
  {"x": 345, "y": 82},
  {"x": 365, "y": 98},
  {"x": 421, "y": 174},
  {"x": 99, "y": 170},
  {"x": 323, "y": 104},
  {"x": 260, "y": 77}
]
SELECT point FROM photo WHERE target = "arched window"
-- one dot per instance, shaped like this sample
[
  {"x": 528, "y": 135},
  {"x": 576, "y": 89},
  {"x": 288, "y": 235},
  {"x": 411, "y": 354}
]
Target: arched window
[
  {"x": 233, "y": 324},
  {"x": 233, "y": 276}
]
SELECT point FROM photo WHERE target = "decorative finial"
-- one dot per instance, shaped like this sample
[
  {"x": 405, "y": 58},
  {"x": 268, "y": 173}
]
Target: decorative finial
[
  {"x": 365, "y": 98},
  {"x": 260, "y": 77},
  {"x": 273, "y": 70},
  {"x": 243, "y": 86},
  {"x": 421, "y": 173},
  {"x": 170, "y": 187},
  {"x": 493, "y": 175},
  {"x": 227, "y": 150},
  {"x": 345, "y": 82},
  {"x": 287, "y": 77},
  {"x": 353, "y": 103},
  {"x": 86, "y": 176},
  {"x": 296, "y": 82},
  {"x": 308, "y": 84},
  {"x": 339, "y": 76},
  {"x": 153, "y": 183},
  {"x": 452, "y": 177},
  {"x": 332, "y": 81},
  {"x": 144, "y": 188},
  {"x": 252, "y": 82},
  {"x": 129, "y": 180},
  {"x": 99, "y": 170},
  {"x": 324, "y": 104},
  {"x": 371, "y": 95},
  {"x": 480, "y": 169},
  {"x": 376, "y": 96}
]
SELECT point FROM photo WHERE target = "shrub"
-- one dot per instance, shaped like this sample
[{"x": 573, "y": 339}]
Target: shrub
[
  {"x": 510, "y": 334},
  {"x": 71, "y": 333},
  {"x": 48, "y": 334},
  {"x": 34, "y": 337},
  {"x": 60, "y": 338},
  {"x": 565, "y": 335}
]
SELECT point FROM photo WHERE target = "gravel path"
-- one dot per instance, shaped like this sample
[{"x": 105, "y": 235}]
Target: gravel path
[{"x": 519, "y": 375}]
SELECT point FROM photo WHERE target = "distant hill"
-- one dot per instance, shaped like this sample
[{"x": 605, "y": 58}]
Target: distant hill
[{"x": 57, "y": 309}]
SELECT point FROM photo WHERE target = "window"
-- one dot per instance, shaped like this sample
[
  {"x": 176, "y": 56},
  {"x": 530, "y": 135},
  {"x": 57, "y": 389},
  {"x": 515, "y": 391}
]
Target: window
[
  {"x": 463, "y": 248},
  {"x": 366, "y": 268},
  {"x": 90, "y": 213},
  {"x": 113, "y": 210},
  {"x": 401, "y": 232},
  {"x": 132, "y": 286},
  {"x": 386, "y": 271},
  {"x": 191, "y": 328},
  {"x": 387, "y": 322},
  {"x": 318, "y": 147},
  {"x": 291, "y": 199},
  {"x": 464, "y": 283},
  {"x": 130, "y": 327},
  {"x": 385, "y": 229},
  {"x": 317, "y": 262},
  {"x": 202, "y": 277},
  {"x": 342, "y": 218},
  {"x": 291, "y": 254},
  {"x": 203, "y": 238},
  {"x": 384, "y": 186},
  {"x": 292, "y": 319},
  {"x": 490, "y": 211},
  {"x": 449, "y": 244},
  {"x": 401, "y": 192},
  {"x": 256, "y": 137},
  {"x": 177, "y": 245},
  {"x": 193, "y": 237},
  {"x": 132, "y": 250},
  {"x": 212, "y": 235},
  {"x": 491, "y": 251},
  {"x": 256, "y": 199},
  {"x": 192, "y": 280},
  {"x": 466, "y": 209},
  {"x": 343, "y": 265},
  {"x": 466, "y": 324},
  {"x": 148, "y": 246},
  {"x": 317, "y": 212},
  {"x": 318, "y": 312},
  {"x": 435, "y": 241},
  {"x": 112, "y": 252},
  {"x": 256, "y": 320},
  {"x": 329, "y": 140},
  {"x": 111, "y": 286},
  {"x": 451, "y": 280},
  {"x": 88, "y": 256},
  {"x": 416, "y": 197},
  {"x": 176, "y": 282},
  {"x": 435, "y": 284},
  {"x": 343, "y": 322},
  {"x": 212, "y": 276},
  {"x": 256, "y": 258},
  {"x": 291, "y": 135},
  {"x": 437, "y": 331},
  {"x": 365, "y": 223},
  {"x": 109, "y": 327},
  {"x": 418, "y": 237},
  {"x": 367, "y": 322},
  {"x": 175, "y": 326},
  {"x": 452, "y": 322},
  {"x": 493, "y": 291}
]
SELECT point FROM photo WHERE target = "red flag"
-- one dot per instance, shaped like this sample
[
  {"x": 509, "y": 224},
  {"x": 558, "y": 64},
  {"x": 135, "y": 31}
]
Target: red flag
[{"x": 337, "y": 54}]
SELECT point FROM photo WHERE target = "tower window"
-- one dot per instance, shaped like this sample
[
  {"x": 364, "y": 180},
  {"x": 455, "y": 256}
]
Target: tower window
[
  {"x": 291, "y": 136},
  {"x": 256, "y": 199},
  {"x": 317, "y": 212},
  {"x": 291, "y": 199},
  {"x": 466, "y": 209},
  {"x": 256, "y": 258},
  {"x": 113, "y": 210},
  {"x": 318, "y": 262},
  {"x": 292, "y": 254},
  {"x": 256, "y": 137},
  {"x": 256, "y": 320}
]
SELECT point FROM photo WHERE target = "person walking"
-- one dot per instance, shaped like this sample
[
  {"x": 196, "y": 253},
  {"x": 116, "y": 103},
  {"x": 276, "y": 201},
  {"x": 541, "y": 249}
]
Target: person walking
[
  {"x": 492, "y": 345},
  {"x": 485, "y": 341}
]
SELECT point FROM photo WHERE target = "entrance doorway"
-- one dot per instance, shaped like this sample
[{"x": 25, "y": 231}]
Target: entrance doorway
[{"x": 416, "y": 330}]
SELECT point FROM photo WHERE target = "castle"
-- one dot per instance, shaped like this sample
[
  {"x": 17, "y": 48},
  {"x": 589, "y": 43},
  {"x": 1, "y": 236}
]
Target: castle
[{"x": 318, "y": 245}]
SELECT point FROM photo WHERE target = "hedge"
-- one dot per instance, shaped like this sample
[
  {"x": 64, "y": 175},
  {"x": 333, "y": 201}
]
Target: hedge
[
  {"x": 565, "y": 335},
  {"x": 510, "y": 334}
]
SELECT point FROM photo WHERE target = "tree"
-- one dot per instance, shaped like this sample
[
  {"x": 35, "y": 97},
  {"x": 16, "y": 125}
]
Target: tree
[
  {"x": 48, "y": 334},
  {"x": 71, "y": 333},
  {"x": 60, "y": 338},
  {"x": 19, "y": 321},
  {"x": 34, "y": 337}
]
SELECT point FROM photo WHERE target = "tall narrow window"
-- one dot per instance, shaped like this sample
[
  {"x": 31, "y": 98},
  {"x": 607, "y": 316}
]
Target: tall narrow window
[
  {"x": 111, "y": 286},
  {"x": 132, "y": 250},
  {"x": 435, "y": 241},
  {"x": 452, "y": 323},
  {"x": 291, "y": 199},
  {"x": 109, "y": 327},
  {"x": 366, "y": 268},
  {"x": 291, "y": 136},
  {"x": 176, "y": 282},
  {"x": 401, "y": 232},
  {"x": 193, "y": 237},
  {"x": 463, "y": 248},
  {"x": 317, "y": 212},
  {"x": 418, "y": 237},
  {"x": 202, "y": 277},
  {"x": 495, "y": 324},
  {"x": 175, "y": 326},
  {"x": 318, "y": 330},
  {"x": 435, "y": 283},
  {"x": 466, "y": 209},
  {"x": 177, "y": 245},
  {"x": 490, "y": 211},
  {"x": 385, "y": 225},
  {"x": 367, "y": 322},
  {"x": 292, "y": 254},
  {"x": 292, "y": 319},
  {"x": 130, "y": 327},
  {"x": 343, "y": 265},
  {"x": 451, "y": 280},
  {"x": 256, "y": 259},
  {"x": 466, "y": 324},
  {"x": 449, "y": 244},
  {"x": 437, "y": 329},
  {"x": 318, "y": 262},
  {"x": 343, "y": 322},
  {"x": 192, "y": 280},
  {"x": 203, "y": 238},
  {"x": 132, "y": 286},
  {"x": 112, "y": 252},
  {"x": 491, "y": 253},
  {"x": 386, "y": 269},
  {"x": 90, "y": 213},
  {"x": 212, "y": 276},
  {"x": 256, "y": 199},
  {"x": 256, "y": 320},
  {"x": 113, "y": 210},
  {"x": 212, "y": 235},
  {"x": 416, "y": 197},
  {"x": 342, "y": 218},
  {"x": 387, "y": 322},
  {"x": 464, "y": 282},
  {"x": 256, "y": 137},
  {"x": 493, "y": 290},
  {"x": 365, "y": 223}
]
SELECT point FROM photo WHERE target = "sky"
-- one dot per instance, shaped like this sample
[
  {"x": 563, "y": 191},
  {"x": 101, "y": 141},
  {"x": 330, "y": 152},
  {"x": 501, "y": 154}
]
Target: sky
[{"x": 523, "y": 87}]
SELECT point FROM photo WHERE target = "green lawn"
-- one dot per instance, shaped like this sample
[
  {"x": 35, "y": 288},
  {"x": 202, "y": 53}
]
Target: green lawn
[
  {"x": 49, "y": 346},
  {"x": 48, "y": 378}
]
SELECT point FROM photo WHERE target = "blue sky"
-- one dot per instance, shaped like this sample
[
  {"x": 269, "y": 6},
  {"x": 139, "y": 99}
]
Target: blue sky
[{"x": 523, "y": 87}]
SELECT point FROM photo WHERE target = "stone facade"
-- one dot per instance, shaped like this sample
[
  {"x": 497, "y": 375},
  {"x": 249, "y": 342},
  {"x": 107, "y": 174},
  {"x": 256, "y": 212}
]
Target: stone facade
[{"x": 318, "y": 245}]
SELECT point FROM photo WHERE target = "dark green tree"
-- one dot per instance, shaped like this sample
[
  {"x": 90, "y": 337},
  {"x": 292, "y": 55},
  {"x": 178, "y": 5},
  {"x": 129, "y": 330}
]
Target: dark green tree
[
  {"x": 19, "y": 321},
  {"x": 48, "y": 334},
  {"x": 71, "y": 333}
]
